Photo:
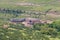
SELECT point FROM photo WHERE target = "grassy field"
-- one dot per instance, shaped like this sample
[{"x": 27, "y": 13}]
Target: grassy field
[
  {"x": 45, "y": 4},
  {"x": 54, "y": 39}
]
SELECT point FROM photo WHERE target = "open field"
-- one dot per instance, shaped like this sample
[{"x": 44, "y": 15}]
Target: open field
[
  {"x": 45, "y": 5},
  {"x": 39, "y": 9}
]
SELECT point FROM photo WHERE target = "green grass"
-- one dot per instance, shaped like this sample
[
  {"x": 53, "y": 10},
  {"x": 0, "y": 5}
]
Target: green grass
[
  {"x": 54, "y": 39},
  {"x": 26, "y": 1},
  {"x": 47, "y": 5},
  {"x": 43, "y": 8}
]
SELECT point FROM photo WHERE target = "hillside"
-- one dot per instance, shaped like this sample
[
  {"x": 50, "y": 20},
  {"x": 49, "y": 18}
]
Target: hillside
[
  {"x": 29, "y": 19},
  {"x": 45, "y": 4}
]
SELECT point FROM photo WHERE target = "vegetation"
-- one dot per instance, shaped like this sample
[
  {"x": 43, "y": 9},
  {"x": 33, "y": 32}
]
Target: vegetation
[
  {"x": 10, "y": 31},
  {"x": 37, "y": 32}
]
